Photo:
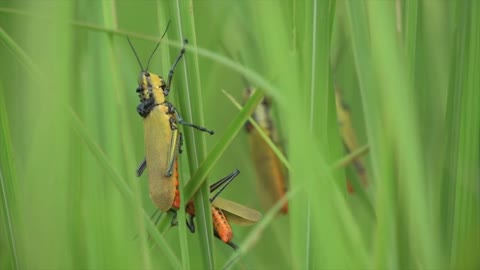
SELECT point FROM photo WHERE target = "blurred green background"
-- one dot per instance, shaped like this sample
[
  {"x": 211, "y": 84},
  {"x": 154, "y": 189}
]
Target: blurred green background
[{"x": 71, "y": 138}]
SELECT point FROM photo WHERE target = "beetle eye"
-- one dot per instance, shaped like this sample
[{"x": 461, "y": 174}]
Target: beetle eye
[
  {"x": 139, "y": 89},
  {"x": 147, "y": 74}
]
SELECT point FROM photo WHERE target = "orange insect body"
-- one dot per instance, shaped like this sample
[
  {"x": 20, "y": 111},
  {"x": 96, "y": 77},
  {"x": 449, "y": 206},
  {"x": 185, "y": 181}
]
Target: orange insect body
[
  {"x": 176, "y": 200},
  {"x": 221, "y": 225},
  {"x": 222, "y": 211}
]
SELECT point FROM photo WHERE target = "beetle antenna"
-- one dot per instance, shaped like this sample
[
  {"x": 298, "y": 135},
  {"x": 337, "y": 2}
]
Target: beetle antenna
[
  {"x": 223, "y": 183},
  {"x": 158, "y": 44},
  {"x": 135, "y": 52}
]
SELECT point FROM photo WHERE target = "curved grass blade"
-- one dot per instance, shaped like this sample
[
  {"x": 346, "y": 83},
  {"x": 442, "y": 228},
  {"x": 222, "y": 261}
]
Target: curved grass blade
[
  {"x": 253, "y": 237},
  {"x": 345, "y": 161},
  {"x": 8, "y": 180},
  {"x": 23, "y": 58},
  {"x": 267, "y": 139},
  {"x": 214, "y": 155},
  {"x": 191, "y": 105},
  {"x": 249, "y": 74},
  {"x": 120, "y": 183},
  {"x": 464, "y": 142}
]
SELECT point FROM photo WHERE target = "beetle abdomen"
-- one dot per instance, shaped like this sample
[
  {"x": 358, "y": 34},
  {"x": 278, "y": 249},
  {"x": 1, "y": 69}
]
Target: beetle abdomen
[{"x": 158, "y": 135}]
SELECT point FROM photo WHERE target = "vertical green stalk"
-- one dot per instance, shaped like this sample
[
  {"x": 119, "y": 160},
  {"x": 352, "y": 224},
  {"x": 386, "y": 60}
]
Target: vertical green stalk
[
  {"x": 464, "y": 140},
  {"x": 9, "y": 192},
  {"x": 323, "y": 125},
  {"x": 43, "y": 140},
  {"x": 164, "y": 17},
  {"x": 411, "y": 24},
  {"x": 191, "y": 109},
  {"x": 380, "y": 153},
  {"x": 399, "y": 97}
]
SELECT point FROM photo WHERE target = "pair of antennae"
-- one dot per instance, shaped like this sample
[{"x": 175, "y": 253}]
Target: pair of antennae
[{"x": 154, "y": 50}]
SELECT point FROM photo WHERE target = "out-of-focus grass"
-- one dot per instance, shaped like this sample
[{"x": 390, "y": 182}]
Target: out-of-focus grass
[{"x": 407, "y": 70}]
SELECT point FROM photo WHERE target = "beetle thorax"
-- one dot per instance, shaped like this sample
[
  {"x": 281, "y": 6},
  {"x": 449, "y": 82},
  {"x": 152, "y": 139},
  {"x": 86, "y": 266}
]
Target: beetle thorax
[{"x": 151, "y": 86}]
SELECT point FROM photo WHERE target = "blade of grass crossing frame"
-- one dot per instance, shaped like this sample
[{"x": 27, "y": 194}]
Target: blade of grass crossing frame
[
  {"x": 453, "y": 119},
  {"x": 191, "y": 104},
  {"x": 120, "y": 183},
  {"x": 272, "y": 145},
  {"x": 249, "y": 74},
  {"x": 23, "y": 58},
  {"x": 268, "y": 218},
  {"x": 256, "y": 233},
  {"x": 117, "y": 148},
  {"x": 380, "y": 153},
  {"x": 411, "y": 21},
  {"x": 8, "y": 190},
  {"x": 255, "y": 78},
  {"x": 163, "y": 15},
  {"x": 404, "y": 134},
  {"x": 49, "y": 44},
  {"x": 230, "y": 132},
  {"x": 313, "y": 28},
  {"x": 324, "y": 124},
  {"x": 466, "y": 219}
]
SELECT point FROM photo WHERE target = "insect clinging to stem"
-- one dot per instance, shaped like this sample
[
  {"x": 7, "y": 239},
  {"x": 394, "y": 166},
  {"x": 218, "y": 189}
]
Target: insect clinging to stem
[
  {"x": 349, "y": 138},
  {"x": 163, "y": 140},
  {"x": 270, "y": 171}
]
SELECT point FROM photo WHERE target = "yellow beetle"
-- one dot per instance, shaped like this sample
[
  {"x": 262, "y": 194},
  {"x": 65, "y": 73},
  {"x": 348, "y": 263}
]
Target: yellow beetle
[{"x": 162, "y": 138}]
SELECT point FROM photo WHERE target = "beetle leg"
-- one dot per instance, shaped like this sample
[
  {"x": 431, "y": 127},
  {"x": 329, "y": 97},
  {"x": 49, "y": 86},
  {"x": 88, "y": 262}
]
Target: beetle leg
[
  {"x": 183, "y": 122},
  {"x": 191, "y": 224},
  {"x": 172, "y": 151},
  {"x": 180, "y": 135},
  {"x": 230, "y": 243},
  {"x": 172, "y": 69},
  {"x": 141, "y": 168},
  {"x": 174, "y": 221}
]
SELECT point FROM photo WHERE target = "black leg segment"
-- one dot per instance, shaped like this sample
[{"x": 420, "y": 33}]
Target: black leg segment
[{"x": 172, "y": 69}]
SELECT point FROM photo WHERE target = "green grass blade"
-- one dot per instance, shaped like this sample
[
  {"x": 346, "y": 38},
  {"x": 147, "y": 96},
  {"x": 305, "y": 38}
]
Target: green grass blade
[
  {"x": 22, "y": 57},
  {"x": 9, "y": 191},
  {"x": 272, "y": 145},
  {"x": 191, "y": 108},
  {"x": 394, "y": 76},
  {"x": 214, "y": 155},
  {"x": 347, "y": 160},
  {"x": 407, "y": 69},
  {"x": 357, "y": 21},
  {"x": 255, "y": 234},
  {"x": 411, "y": 25},
  {"x": 465, "y": 140},
  {"x": 120, "y": 183},
  {"x": 163, "y": 17}
]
